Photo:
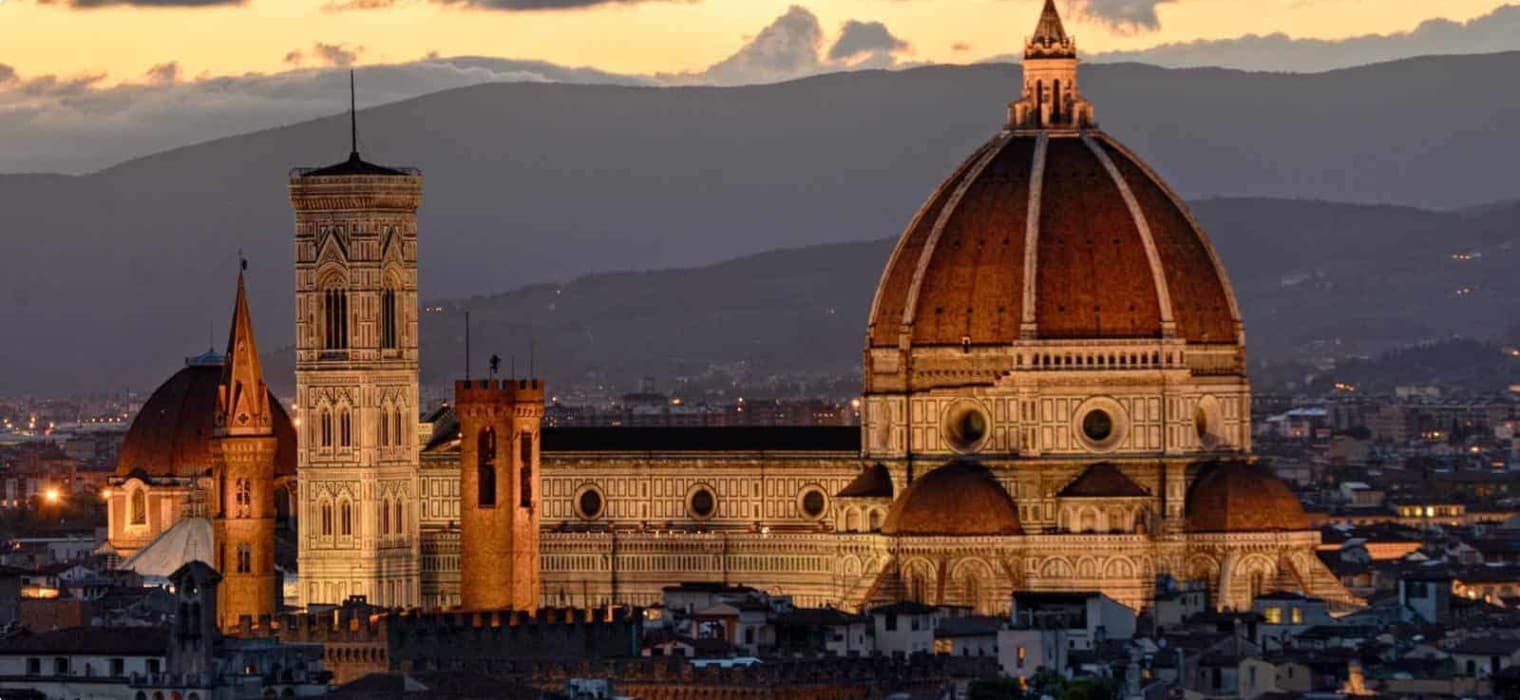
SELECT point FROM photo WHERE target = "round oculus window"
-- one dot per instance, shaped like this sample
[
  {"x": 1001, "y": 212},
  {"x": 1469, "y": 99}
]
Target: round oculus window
[
  {"x": 814, "y": 503},
  {"x": 590, "y": 504},
  {"x": 966, "y": 427},
  {"x": 1098, "y": 425},
  {"x": 702, "y": 503}
]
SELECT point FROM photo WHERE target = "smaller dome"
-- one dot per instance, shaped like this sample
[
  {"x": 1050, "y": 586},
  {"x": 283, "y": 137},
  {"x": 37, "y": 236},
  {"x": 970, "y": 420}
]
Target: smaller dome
[
  {"x": 172, "y": 434},
  {"x": 1241, "y": 497},
  {"x": 960, "y": 499}
]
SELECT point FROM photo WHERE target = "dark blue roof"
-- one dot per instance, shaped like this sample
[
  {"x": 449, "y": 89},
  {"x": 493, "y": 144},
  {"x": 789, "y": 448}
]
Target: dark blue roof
[{"x": 354, "y": 166}]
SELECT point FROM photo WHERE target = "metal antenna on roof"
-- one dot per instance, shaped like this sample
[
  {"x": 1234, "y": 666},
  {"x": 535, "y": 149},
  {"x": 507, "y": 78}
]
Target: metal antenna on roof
[
  {"x": 353, "y": 116},
  {"x": 531, "y": 375},
  {"x": 467, "y": 346}
]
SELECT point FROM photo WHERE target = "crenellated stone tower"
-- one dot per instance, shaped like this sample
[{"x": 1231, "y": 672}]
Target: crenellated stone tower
[
  {"x": 499, "y": 492},
  {"x": 243, "y": 472},
  {"x": 356, "y": 381}
]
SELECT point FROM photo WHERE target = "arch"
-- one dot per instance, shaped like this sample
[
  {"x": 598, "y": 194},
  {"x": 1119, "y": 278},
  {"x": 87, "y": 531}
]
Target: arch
[
  {"x": 385, "y": 516},
  {"x": 398, "y": 516},
  {"x": 852, "y": 519},
  {"x": 137, "y": 506},
  {"x": 485, "y": 468},
  {"x": 1087, "y": 519},
  {"x": 1119, "y": 568},
  {"x": 345, "y": 426},
  {"x": 1251, "y": 576},
  {"x": 873, "y": 519},
  {"x": 383, "y": 427},
  {"x": 325, "y": 508},
  {"x": 325, "y": 427},
  {"x": 389, "y": 311},
  {"x": 975, "y": 583},
  {"x": 1056, "y": 567},
  {"x": 1119, "y": 520},
  {"x": 1087, "y": 567},
  {"x": 345, "y": 517},
  {"x": 851, "y": 565},
  {"x": 918, "y": 577}
]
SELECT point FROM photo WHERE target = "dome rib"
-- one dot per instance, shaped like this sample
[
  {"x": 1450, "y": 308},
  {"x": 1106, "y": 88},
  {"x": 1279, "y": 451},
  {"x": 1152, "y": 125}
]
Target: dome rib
[
  {"x": 1193, "y": 281},
  {"x": 892, "y": 291},
  {"x": 1158, "y": 273},
  {"x": 952, "y": 206}
]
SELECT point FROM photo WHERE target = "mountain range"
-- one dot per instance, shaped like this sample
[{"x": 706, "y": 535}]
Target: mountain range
[{"x": 109, "y": 278}]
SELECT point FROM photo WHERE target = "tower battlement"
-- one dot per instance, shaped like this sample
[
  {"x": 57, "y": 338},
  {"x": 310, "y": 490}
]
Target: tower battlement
[{"x": 498, "y": 391}]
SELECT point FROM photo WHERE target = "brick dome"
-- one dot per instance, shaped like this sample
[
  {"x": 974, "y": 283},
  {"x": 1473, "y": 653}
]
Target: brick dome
[
  {"x": 958, "y": 499},
  {"x": 1052, "y": 234},
  {"x": 1241, "y": 497},
  {"x": 171, "y": 435}
]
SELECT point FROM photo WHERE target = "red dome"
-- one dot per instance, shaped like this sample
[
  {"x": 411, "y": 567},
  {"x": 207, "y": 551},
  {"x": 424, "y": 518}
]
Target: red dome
[
  {"x": 1242, "y": 497},
  {"x": 1113, "y": 252},
  {"x": 171, "y": 435},
  {"x": 958, "y": 499}
]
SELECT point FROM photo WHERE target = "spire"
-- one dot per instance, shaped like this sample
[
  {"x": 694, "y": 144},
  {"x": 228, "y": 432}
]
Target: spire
[
  {"x": 242, "y": 400},
  {"x": 353, "y": 117},
  {"x": 1050, "y": 27}
]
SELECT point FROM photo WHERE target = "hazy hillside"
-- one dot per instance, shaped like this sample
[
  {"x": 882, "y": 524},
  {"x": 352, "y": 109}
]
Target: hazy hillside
[
  {"x": 109, "y": 278},
  {"x": 1313, "y": 278}
]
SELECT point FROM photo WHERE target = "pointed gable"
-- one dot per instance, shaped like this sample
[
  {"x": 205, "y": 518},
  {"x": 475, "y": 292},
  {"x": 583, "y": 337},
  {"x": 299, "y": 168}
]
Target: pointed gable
[
  {"x": 242, "y": 398},
  {"x": 1103, "y": 480}
]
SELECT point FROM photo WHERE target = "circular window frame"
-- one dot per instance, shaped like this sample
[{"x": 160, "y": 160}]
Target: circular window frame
[
  {"x": 950, "y": 429},
  {"x": 601, "y": 496},
  {"x": 691, "y": 495},
  {"x": 802, "y": 500},
  {"x": 1118, "y": 417}
]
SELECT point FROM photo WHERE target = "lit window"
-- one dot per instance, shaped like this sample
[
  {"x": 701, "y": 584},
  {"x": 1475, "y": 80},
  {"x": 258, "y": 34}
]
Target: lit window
[
  {"x": 244, "y": 558},
  {"x": 138, "y": 508},
  {"x": 1274, "y": 616},
  {"x": 1298, "y": 616}
]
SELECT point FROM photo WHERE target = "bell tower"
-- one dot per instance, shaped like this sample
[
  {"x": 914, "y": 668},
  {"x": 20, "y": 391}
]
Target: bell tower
[
  {"x": 499, "y": 492},
  {"x": 243, "y": 477},
  {"x": 356, "y": 381},
  {"x": 1051, "y": 98}
]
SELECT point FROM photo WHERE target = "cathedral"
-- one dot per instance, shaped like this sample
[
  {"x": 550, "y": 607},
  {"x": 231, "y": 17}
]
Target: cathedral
[{"x": 1055, "y": 398}]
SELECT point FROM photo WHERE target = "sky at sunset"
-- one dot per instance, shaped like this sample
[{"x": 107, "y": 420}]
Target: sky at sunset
[{"x": 125, "y": 40}]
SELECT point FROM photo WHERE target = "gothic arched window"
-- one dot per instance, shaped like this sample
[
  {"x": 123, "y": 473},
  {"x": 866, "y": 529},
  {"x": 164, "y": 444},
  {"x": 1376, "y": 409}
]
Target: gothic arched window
[
  {"x": 398, "y": 436},
  {"x": 385, "y": 426},
  {"x": 388, "y": 314},
  {"x": 327, "y": 519},
  {"x": 346, "y": 519},
  {"x": 399, "y": 517},
  {"x": 385, "y": 516},
  {"x": 335, "y": 319},
  {"x": 345, "y": 428},
  {"x": 325, "y": 427},
  {"x": 244, "y": 558},
  {"x": 137, "y": 508},
  {"x": 485, "y": 469}
]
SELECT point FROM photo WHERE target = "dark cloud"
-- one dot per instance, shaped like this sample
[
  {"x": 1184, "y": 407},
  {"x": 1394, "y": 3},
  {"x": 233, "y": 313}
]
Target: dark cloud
[
  {"x": 340, "y": 55},
  {"x": 1492, "y": 33},
  {"x": 786, "y": 49},
  {"x": 295, "y": 58},
  {"x": 1124, "y": 15},
  {"x": 865, "y": 38},
  {"x": 164, "y": 72},
  {"x": 7, "y": 74}
]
